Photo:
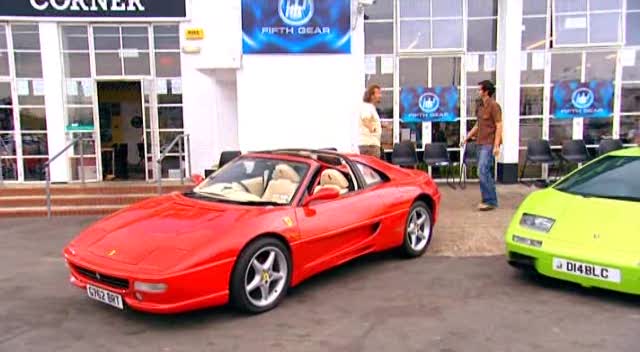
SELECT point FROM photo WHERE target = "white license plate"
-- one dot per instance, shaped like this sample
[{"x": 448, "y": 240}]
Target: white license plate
[
  {"x": 587, "y": 270},
  {"x": 104, "y": 296}
]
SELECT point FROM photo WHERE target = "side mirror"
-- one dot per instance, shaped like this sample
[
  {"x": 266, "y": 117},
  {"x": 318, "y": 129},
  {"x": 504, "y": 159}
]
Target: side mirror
[
  {"x": 197, "y": 179},
  {"x": 323, "y": 194}
]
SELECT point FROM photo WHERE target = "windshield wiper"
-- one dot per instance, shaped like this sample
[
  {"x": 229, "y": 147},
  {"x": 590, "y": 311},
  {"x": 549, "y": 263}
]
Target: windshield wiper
[
  {"x": 262, "y": 202},
  {"x": 627, "y": 198},
  {"x": 214, "y": 194}
]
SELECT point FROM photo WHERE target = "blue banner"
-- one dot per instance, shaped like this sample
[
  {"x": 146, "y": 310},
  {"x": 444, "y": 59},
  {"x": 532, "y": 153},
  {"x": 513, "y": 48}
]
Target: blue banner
[
  {"x": 423, "y": 104},
  {"x": 296, "y": 26},
  {"x": 573, "y": 99}
]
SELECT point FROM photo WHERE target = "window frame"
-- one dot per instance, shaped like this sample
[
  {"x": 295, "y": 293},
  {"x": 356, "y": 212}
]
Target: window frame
[
  {"x": 382, "y": 177},
  {"x": 587, "y": 13}
]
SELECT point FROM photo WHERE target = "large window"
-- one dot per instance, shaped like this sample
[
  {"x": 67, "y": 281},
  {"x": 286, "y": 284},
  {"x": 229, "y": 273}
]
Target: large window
[
  {"x": 24, "y": 98},
  {"x": 632, "y": 34},
  {"x": 428, "y": 43},
  {"x": 430, "y": 24},
  {"x": 630, "y": 99},
  {"x": 122, "y": 50},
  {"x": 149, "y": 54},
  {"x": 532, "y": 68},
  {"x": 587, "y": 22},
  {"x": 583, "y": 48},
  {"x": 169, "y": 91},
  {"x": 380, "y": 61},
  {"x": 8, "y": 152},
  {"x": 79, "y": 88}
]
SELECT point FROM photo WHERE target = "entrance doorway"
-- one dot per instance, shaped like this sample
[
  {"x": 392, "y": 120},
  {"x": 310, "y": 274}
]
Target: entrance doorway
[{"x": 121, "y": 130}]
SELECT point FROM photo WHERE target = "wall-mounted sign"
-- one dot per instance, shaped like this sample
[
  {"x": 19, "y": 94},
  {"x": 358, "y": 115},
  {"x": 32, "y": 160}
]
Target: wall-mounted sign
[
  {"x": 575, "y": 99},
  {"x": 423, "y": 104},
  {"x": 194, "y": 34},
  {"x": 108, "y": 9},
  {"x": 296, "y": 26},
  {"x": 77, "y": 127}
]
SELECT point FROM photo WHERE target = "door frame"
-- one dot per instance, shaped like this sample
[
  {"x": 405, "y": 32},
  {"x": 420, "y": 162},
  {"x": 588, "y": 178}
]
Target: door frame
[{"x": 96, "y": 119}]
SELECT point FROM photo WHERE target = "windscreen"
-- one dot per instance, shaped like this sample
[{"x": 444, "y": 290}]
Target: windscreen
[
  {"x": 256, "y": 181},
  {"x": 615, "y": 177}
]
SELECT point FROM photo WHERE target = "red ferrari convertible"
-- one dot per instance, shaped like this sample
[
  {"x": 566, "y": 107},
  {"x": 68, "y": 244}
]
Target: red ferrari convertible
[{"x": 261, "y": 224}]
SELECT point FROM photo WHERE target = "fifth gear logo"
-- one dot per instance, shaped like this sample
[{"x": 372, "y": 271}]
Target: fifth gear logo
[
  {"x": 582, "y": 98},
  {"x": 429, "y": 103},
  {"x": 295, "y": 12}
]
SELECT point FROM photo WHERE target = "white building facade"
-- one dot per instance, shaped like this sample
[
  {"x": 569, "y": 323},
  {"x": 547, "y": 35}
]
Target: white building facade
[{"x": 129, "y": 76}]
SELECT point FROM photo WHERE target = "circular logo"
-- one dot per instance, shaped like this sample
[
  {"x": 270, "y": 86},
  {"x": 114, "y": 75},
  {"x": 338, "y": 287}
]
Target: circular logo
[
  {"x": 429, "y": 102},
  {"x": 295, "y": 12},
  {"x": 582, "y": 98}
]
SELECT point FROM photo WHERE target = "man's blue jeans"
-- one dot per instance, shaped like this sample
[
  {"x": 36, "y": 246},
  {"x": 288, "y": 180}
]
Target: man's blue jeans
[{"x": 486, "y": 163}]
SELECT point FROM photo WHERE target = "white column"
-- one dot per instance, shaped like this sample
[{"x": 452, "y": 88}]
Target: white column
[
  {"x": 508, "y": 76},
  {"x": 54, "y": 99}
]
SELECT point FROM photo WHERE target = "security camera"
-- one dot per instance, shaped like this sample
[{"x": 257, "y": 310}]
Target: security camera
[{"x": 366, "y": 2}]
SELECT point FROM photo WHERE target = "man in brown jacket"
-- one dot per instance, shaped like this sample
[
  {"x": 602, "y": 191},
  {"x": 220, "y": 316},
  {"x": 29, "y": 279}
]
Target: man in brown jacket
[{"x": 488, "y": 130}]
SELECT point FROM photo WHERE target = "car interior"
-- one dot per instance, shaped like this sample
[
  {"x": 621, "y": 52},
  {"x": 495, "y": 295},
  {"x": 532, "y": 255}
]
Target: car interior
[{"x": 277, "y": 181}]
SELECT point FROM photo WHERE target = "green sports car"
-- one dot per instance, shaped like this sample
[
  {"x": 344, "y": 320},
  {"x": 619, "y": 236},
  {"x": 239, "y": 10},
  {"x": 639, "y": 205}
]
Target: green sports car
[{"x": 586, "y": 227}]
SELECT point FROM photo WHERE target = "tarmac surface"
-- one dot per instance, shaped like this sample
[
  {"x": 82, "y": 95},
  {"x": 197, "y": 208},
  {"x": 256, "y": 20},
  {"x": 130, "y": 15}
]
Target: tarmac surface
[{"x": 461, "y": 297}]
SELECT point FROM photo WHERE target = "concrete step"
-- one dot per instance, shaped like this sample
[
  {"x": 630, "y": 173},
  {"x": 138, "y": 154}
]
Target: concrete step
[
  {"x": 77, "y": 199},
  {"x": 59, "y": 211},
  {"x": 91, "y": 189},
  {"x": 73, "y": 200}
]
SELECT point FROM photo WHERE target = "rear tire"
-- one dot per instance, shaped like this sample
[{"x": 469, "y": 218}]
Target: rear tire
[
  {"x": 418, "y": 231},
  {"x": 261, "y": 276}
]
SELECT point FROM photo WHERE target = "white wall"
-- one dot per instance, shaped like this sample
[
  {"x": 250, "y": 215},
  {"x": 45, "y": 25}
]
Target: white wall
[
  {"x": 54, "y": 100},
  {"x": 209, "y": 109},
  {"x": 307, "y": 101},
  {"x": 508, "y": 75},
  {"x": 258, "y": 102},
  {"x": 295, "y": 101}
]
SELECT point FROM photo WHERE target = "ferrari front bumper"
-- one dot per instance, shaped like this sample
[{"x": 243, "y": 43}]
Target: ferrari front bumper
[{"x": 203, "y": 287}]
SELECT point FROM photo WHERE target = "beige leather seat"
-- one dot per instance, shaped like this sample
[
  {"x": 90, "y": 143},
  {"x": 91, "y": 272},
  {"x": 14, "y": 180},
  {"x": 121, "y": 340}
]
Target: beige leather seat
[
  {"x": 331, "y": 178},
  {"x": 283, "y": 184}
]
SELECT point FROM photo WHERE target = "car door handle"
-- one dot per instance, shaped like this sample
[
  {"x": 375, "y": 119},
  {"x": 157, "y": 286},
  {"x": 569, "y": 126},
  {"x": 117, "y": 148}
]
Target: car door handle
[{"x": 375, "y": 227}]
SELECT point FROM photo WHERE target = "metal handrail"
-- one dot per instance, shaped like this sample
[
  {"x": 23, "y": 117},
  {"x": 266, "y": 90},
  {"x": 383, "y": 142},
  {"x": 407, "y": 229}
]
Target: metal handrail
[
  {"x": 47, "y": 165},
  {"x": 4, "y": 146},
  {"x": 183, "y": 141}
]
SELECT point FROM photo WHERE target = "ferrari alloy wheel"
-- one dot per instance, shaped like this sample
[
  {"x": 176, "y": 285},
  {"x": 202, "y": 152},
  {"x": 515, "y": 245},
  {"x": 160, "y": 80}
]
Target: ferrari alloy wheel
[
  {"x": 261, "y": 276},
  {"x": 418, "y": 230}
]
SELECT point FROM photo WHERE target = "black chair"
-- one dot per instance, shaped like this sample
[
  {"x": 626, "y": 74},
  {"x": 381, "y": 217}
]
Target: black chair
[
  {"x": 436, "y": 154},
  {"x": 383, "y": 155},
  {"x": 404, "y": 154},
  {"x": 469, "y": 158},
  {"x": 539, "y": 152},
  {"x": 574, "y": 152},
  {"x": 609, "y": 145},
  {"x": 227, "y": 156}
]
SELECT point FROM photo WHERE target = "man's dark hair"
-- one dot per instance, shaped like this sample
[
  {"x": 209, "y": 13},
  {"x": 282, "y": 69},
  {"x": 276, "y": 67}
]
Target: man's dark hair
[
  {"x": 369, "y": 93},
  {"x": 488, "y": 87}
]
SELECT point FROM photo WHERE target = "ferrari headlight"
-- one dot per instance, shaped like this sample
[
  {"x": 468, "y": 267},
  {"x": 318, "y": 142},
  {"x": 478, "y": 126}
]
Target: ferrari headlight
[
  {"x": 149, "y": 287},
  {"x": 535, "y": 222}
]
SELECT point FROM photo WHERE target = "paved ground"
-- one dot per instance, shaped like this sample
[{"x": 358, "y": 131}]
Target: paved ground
[
  {"x": 379, "y": 303},
  {"x": 462, "y": 231}
]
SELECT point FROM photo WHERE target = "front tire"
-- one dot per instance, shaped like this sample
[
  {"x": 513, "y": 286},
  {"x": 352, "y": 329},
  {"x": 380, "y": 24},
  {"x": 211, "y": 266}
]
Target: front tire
[
  {"x": 261, "y": 276},
  {"x": 418, "y": 231}
]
